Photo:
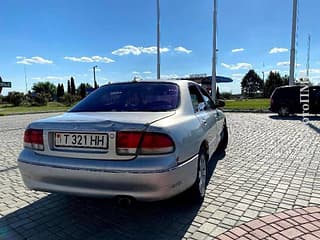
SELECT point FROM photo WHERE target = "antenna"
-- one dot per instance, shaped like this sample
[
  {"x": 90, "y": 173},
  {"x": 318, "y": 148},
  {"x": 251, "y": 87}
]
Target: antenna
[{"x": 308, "y": 57}]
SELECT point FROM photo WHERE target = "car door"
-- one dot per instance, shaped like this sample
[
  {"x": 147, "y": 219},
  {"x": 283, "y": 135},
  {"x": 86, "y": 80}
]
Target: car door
[
  {"x": 314, "y": 99},
  {"x": 212, "y": 120},
  {"x": 206, "y": 114}
]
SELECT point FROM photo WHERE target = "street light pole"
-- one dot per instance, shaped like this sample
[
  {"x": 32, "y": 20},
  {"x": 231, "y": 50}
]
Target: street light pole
[
  {"x": 94, "y": 76},
  {"x": 293, "y": 43},
  {"x": 214, "y": 52},
  {"x": 158, "y": 39}
]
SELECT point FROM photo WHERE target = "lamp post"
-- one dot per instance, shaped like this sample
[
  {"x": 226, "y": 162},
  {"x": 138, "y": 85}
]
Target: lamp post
[
  {"x": 214, "y": 52},
  {"x": 158, "y": 39},
  {"x": 293, "y": 43},
  {"x": 94, "y": 76}
]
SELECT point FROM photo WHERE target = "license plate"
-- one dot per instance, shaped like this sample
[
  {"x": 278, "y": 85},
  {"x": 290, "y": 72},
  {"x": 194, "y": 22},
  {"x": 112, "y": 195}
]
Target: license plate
[{"x": 81, "y": 140}]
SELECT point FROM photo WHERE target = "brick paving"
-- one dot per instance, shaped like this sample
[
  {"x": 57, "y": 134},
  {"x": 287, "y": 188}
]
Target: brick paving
[
  {"x": 271, "y": 165},
  {"x": 301, "y": 223}
]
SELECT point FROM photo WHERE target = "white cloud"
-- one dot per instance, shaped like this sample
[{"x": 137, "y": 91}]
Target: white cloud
[
  {"x": 169, "y": 76},
  {"x": 90, "y": 59},
  {"x": 130, "y": 49},
  {"x": 311, "y": 70},
  {"x": 237, "y": 76},
  {"x": 147, "y": 72},
  {"x": 286, "y": 63},
  {"x": 237, "y": 66},
  {"x": 135, "y": 72},
  {"x": 50, "y": 78},
  {"x": 237, "y": 50},
  {"x": 32, "y": 60},
  {"x": 278, "y": 50},
  {"x": 97, "y": 70},
  {"x": 183, "y": 50}
]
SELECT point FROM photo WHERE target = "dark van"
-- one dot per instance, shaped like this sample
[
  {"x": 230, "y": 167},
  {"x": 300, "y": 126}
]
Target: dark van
[{"x": 285, "y": 100}]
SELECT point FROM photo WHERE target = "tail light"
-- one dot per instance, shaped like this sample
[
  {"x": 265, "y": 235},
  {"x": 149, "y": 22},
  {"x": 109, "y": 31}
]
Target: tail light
[
  {"x": 132, "y": 143},
  {"x": 33, "y": 138}
]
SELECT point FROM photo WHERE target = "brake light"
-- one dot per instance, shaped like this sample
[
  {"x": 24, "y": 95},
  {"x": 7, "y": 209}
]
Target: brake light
[
  {"x": 127, "y": 142},
  {"x": 156, "y": 143},
  {"x": 132, "y": 143},
  {"x": 33, "y": 138}
]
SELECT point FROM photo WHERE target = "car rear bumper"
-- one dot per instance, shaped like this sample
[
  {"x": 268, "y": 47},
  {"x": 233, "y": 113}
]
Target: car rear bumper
[{"x": 144, "y": 185}]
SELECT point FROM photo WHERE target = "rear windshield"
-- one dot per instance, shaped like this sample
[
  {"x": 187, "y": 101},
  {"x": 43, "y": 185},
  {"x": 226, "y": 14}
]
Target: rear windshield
[{"x": 131, "y": 97}]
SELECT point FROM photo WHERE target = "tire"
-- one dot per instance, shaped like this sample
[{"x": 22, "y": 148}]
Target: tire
[
  {"x": 283, "y": 111},
  {"x": 224, "y": 139},
  {"x": 198, "y": 189}
]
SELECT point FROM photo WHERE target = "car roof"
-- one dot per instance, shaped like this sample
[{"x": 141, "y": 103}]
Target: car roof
[{"x": 175, "y": 81}]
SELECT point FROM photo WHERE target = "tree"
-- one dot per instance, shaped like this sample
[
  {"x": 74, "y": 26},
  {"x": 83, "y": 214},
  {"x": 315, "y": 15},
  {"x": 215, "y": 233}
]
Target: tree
[
  {"x": 273, "y": 81},
  {"x": 15, "y": 98},
  {"x": 73, "y": 87},
  {"x": 69, "y": 87},
  {"x": 82, "y": 90},
  {"x": 218, "y": 96},
  {"x": 46, "y": 88},
  {"x": 251, "y": 84},
  {"x": 60, "y": 91}
]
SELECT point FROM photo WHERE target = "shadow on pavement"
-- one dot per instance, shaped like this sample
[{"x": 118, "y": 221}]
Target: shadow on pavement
[
  {"x": 65, "y": 217},
  {"x": 313, "y": 127},
  {"x": 300, "y": 118},
  {"x": 294, "y": 118}
]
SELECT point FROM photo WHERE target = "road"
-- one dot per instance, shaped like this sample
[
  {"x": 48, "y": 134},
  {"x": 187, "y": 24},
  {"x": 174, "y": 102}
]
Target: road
[{"x": 271, "y": 165}]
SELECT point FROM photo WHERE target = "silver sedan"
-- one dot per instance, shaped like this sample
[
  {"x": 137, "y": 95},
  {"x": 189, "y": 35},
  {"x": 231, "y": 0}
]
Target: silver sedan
[{"x": 147, "y": 140}]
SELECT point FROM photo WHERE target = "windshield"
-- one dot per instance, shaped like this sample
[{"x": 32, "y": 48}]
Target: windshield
[{"x": 131, "y": 97}]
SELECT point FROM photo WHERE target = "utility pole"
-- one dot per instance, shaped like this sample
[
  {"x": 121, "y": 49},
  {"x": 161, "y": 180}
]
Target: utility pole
[
  {"x": 94, "y": 76},
  {"x": 158, "y": 39},
  {"x": 293, "y": 43},
  {"x": 214, "y": 52}
]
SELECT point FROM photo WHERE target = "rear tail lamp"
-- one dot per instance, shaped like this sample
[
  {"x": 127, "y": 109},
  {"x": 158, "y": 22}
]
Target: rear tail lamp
[
  {"x": 149, "y": 143},
  {"x": 33, "y": 138}
]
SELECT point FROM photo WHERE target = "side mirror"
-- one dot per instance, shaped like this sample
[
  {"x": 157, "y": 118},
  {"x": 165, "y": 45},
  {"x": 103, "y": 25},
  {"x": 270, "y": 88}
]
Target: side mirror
[
  {"x": 220, "y": 103},
  {"x": 201, "y": 106}
]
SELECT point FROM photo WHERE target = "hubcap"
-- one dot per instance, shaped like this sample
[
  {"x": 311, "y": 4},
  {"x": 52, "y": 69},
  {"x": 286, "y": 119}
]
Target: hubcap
[
  {"x": 283, "y": 111},
  {"x": 202, "y": 174}
]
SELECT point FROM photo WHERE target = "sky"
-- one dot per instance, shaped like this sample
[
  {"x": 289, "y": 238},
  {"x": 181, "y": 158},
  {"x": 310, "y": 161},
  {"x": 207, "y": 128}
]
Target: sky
[{"x": 53, "y": 40}]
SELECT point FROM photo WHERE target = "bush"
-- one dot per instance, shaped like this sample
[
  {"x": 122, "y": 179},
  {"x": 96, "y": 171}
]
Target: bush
[
  {"x": 15, "y": 98},
  {"x": 38, "y": 99},
  {"x": 226, "y": 95},
  {"x": 69, "y": 99}
]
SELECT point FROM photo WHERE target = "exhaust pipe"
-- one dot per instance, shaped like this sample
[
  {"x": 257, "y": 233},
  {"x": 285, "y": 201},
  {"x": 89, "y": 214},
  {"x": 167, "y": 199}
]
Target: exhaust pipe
[{"x": 124, "y": 201}]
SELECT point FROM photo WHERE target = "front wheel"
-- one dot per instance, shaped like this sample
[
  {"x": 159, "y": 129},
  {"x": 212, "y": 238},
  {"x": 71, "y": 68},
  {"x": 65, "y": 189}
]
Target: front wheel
[
  {"x": 198, "y": 189},
  {"x": 283, "y": 111}
]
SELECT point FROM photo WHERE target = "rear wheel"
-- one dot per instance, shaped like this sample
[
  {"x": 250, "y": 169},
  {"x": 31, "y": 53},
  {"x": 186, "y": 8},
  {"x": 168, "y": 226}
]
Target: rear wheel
[
  {"x": 198, "y": 189},
  {"x": 283, "y": 111}
]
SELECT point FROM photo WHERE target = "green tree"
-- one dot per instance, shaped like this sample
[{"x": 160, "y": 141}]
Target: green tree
[
  {"x": 46, "y": 88},
  {"x": 60, "y": 91},
  {"x": 15, "y": 98},
  {"x": 273, "y": 81},
  {"x": 72, "y": 86},
  {"x": 82, "y": 90},
  {"x": 69, "y": 87},
  {"x": 251, "y": 84},
  {"x": 218, "y": 95}
]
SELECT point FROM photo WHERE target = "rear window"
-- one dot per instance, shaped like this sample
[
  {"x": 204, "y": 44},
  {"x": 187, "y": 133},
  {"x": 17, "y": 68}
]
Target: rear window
[{"x": 131, "y": 97}]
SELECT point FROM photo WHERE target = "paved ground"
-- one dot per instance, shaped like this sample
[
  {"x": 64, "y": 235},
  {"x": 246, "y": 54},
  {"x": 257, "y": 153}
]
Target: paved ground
[{"x": 271, "y": 165}]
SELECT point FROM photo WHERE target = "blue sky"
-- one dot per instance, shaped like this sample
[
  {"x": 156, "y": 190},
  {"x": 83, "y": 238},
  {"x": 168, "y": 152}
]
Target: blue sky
[{"x": 55, "y": 39}]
